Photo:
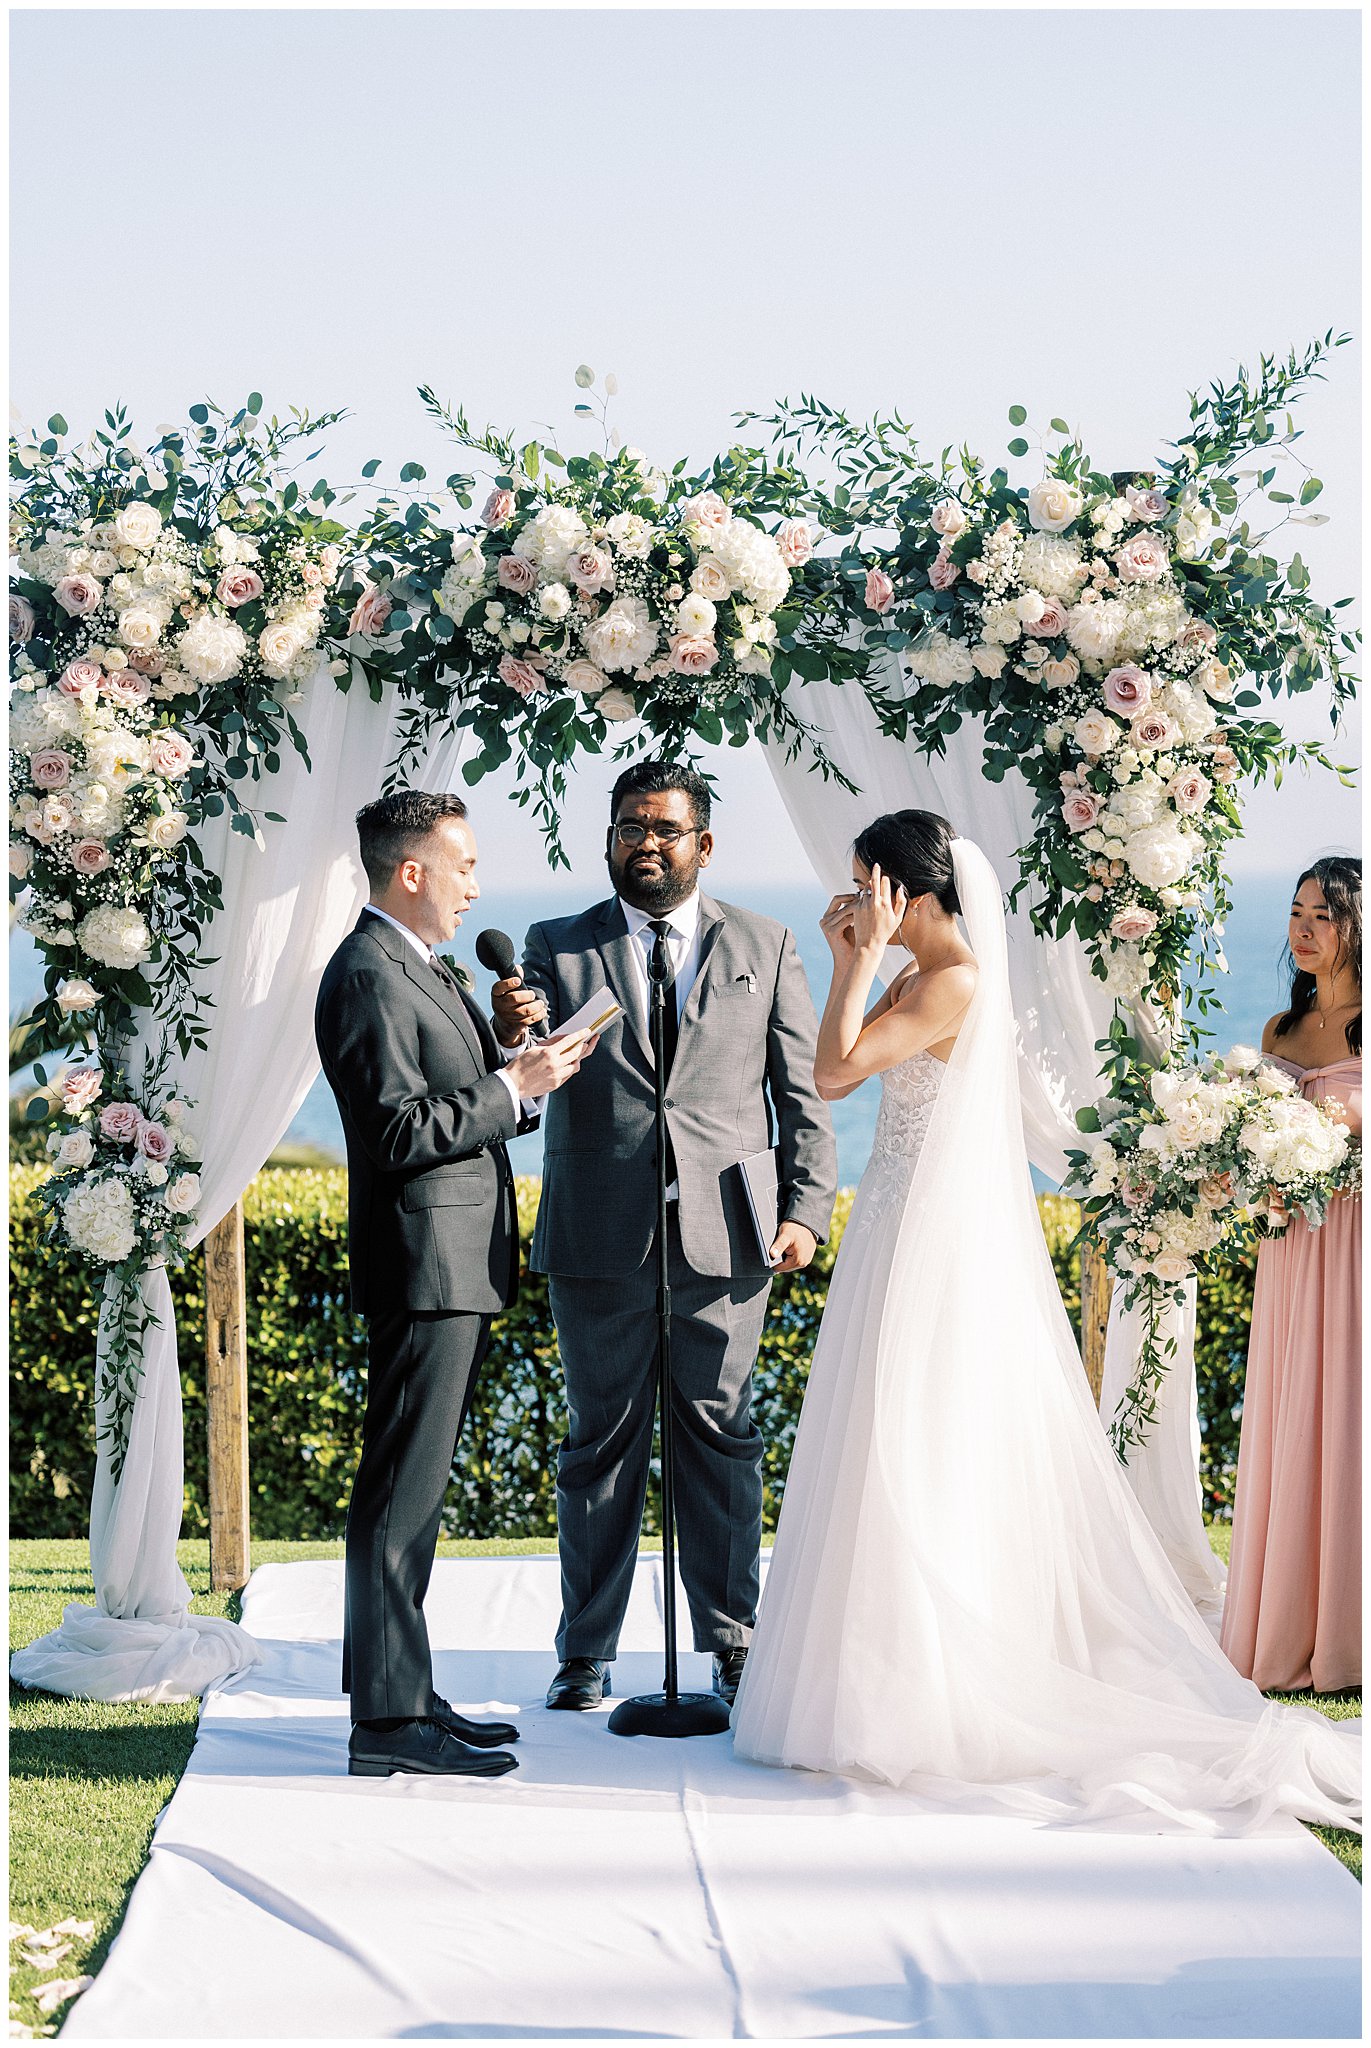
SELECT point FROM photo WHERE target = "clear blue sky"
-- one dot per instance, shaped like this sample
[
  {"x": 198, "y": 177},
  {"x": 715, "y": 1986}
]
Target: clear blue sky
[{"x": 945, "y": 212}]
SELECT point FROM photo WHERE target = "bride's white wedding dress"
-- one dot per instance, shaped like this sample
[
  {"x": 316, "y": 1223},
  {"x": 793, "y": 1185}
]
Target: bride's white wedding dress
[{"x": 964, "y": 1598}]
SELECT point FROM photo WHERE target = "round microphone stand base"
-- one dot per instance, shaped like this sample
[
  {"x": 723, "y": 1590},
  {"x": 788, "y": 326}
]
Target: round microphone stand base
[{"x": 657, "y": 1713}]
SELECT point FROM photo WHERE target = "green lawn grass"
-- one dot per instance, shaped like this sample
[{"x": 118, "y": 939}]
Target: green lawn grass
[{"x": 88, "y": 1781}]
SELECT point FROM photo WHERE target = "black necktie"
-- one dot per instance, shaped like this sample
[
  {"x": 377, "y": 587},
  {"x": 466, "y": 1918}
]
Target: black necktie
[{"x": 664, "y": 970}]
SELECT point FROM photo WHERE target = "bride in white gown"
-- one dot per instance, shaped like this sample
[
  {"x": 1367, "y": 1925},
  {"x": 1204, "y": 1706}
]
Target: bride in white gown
[{"x": 964, "y": 1598}]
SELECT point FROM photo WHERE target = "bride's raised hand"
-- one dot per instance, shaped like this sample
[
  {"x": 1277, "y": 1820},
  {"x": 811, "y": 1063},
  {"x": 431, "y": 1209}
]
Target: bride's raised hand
[
  {"x": 836, "y": 926},
  {"x": 879, "y": 914}
]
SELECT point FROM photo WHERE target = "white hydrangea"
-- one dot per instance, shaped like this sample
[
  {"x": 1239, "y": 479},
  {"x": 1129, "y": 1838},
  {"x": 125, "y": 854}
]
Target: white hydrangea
[
  {"x": 752, "y": 562},
  {"x": 1126, "y": 979},
  {"x": 101, "y": 1220},
  {"x": 1052, "y": 565},
  {"x": 622, "y": 637},
  {"x": 1152, "y": 617},
  {"x": 1193, "y": 713},
  {"x": 550, "y": 537},
  {"x": 212, "y": 649},
  {"x": 1093, "y": 631},
  {"x": 1160, "y": 854},
  {"x": 115, "y": 936},
  {"x": 940, "y": 660}
]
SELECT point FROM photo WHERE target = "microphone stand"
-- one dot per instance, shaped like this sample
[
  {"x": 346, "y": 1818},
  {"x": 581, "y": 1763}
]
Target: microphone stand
[{"x": 669, "y": 1712}]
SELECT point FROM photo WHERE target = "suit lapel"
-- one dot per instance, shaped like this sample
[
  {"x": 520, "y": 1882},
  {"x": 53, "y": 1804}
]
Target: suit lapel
[
  {"x": 711, "y": 925},
  {"x": 616, "y": 950},
  {"x": 449, "y": 1001}
]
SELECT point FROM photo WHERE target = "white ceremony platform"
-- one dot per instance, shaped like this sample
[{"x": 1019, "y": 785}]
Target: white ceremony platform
[{"x": 637, "y": 1888}]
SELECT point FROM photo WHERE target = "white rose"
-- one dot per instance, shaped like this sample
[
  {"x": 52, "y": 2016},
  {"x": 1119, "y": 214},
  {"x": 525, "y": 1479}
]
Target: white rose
[
  {"x": 183, "y": 1194},
  {"x": 710, "y": 580},
  {"x": 988, "y": 659},
  {"x": 140, "y": 627},
  {"x": 554, "y": 601},
  {"x": 137, "y": 526},
  {"x": 74, "y": 996},
  {"x": 616, "y": 705},
  {"x": 948, "y": 519},
  {"x": 1001, "y": 622},
  {"x": 1096, "y": 733},
  {"x": 167, "y": 829},
  {"x": 77, "y": 1148},
  {"x": 631, "y": 535},
  {"x": 279, "y": 646},
  {"x": 1030, "y": 607},
  {"x": 697, "y": 615},
  {"x": 1053, "y": 505},
  {"x": 583, "y": 676}
]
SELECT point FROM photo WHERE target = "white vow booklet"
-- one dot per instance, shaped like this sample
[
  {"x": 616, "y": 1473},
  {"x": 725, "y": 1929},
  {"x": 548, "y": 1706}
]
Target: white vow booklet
[{"x": 590, "y": 1019}]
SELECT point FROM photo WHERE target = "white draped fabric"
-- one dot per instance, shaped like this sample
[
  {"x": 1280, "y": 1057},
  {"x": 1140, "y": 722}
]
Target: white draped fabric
[
  {"x": 287, "y": 903},
  {"x": 1061, "y": 1011}
]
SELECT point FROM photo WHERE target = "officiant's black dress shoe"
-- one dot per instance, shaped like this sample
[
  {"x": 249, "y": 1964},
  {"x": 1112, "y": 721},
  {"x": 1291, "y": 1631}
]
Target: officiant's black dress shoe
[
  {"x": 425, "y": 1747},
  {"x": 728, "y": 1670},
  {"x": 480, "y": 1734},
  {"x": 580, "y": 1683}
]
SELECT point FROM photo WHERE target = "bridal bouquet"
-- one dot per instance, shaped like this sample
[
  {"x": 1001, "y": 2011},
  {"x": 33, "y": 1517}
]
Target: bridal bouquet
[{"x": 1191, "y": 1160}]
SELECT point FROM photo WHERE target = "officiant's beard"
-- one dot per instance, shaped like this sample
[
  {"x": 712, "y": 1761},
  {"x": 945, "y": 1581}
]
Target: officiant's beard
[{"x": 657, "y": 888}]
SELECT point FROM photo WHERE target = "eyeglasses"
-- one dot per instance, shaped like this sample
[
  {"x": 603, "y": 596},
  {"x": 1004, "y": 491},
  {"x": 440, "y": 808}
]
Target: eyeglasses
[{"x": 666, "y": 836}]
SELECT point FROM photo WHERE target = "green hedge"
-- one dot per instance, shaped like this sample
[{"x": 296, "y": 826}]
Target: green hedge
[{"x": 307, "y": 1381}]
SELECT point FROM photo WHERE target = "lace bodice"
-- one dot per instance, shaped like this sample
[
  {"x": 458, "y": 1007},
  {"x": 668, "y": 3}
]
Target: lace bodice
[{"x": 908, "y": 1093}]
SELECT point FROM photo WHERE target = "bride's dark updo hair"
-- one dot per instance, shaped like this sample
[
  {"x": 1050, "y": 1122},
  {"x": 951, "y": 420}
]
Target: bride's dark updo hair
[{"x": 915, "y": 849}]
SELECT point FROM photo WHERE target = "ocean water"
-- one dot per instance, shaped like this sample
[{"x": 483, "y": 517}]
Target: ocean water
[{"x": 1252, "y": 991}]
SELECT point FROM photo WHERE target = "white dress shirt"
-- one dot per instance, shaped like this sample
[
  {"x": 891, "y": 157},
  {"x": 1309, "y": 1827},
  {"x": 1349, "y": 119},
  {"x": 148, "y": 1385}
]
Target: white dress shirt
[
  {"x": 426, "y": 953},
  {"x": 683, "y": 944}
]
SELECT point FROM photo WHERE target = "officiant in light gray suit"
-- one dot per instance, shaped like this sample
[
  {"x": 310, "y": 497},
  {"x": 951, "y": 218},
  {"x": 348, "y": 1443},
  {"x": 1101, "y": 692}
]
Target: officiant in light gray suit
[{"x": 740, "y": 1052}]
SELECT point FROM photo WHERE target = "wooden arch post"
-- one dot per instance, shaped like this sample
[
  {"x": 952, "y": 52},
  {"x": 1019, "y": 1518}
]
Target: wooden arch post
[
  {"x": 226, "y": 1402},
  {"x": 1096, "y": 1289}
]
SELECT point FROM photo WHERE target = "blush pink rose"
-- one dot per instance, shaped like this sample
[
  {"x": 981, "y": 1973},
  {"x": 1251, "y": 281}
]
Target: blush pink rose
[
  {"x": 22, "y": 622},
  {"x": 520, "y": 675},
  {"x": 51, "y": 768},
  {"x": 1080, "y": 810},
  {"x": 370, "y": 612},
  {"x": 155, "y": 1142},
  {"x": 498, "y": 508},
  {"x": 79, "y": 676},
  {"x": 170, "y": 753},
  {"x": 149, "y": 661},
  {"x": 943, "y": 571},
  {"x": 1190, "y": 792},
  {"x": 78, "y": 594},
  {"x": 1143, "y": 559},
  {"x": 80, "y": 1087},
  {"x": 948, "y": 519},
  {"x": 1133, "y": 1193},
  {"x": 693, "y": 654},
  {"x": 516, "y": 573},
  {"x": 90, "y": 856},
  {"x": 1224, "y": 763},
  {"x": 1145, "y": 505},
  {"x": 239, "y": 586},
  {"x": 591, "y": 570},
  {"x": 977, "y": 571},
  {"x": 120, "y": 1121},
  {"x": 127, "y": 687},
  {"x": 1216, "y": 1192},
  {"x": 708, "y": 511},
  {"x": 1051, "y": 624},
  {"x": 1196, "y": 636},
  {"x": 1153, "y": 729},
  {"x": 794, "y": 542},
  {"x": 1132, "y": 924},
  {"x": 880, "y": 591},
  {"x": 1127, "y": 690}
]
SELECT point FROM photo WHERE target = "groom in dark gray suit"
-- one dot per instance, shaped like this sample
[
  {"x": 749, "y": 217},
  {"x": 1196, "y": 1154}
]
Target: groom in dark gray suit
[
  {"x": 740, "y": 1051},
  {"x": 427, "y": 1102}
]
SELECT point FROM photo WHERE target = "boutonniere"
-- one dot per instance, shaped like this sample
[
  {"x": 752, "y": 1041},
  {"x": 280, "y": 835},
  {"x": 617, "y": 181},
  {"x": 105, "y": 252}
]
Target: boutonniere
[{"x": 460, "y": 972}]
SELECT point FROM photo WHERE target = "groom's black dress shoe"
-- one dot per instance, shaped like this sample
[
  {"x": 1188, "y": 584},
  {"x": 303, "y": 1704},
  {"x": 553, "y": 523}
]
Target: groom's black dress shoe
[
  {"x": 728, "y": 1669},
  {"x": 480, "y": 1734},
  {"x": 425, "y": 1747},
  {"x": 580, "y": 1683}
]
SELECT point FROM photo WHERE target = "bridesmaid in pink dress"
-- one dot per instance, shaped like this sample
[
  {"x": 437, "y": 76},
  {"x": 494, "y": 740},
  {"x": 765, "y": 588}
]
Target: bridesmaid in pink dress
[{"x": 1292, "y": 1619}]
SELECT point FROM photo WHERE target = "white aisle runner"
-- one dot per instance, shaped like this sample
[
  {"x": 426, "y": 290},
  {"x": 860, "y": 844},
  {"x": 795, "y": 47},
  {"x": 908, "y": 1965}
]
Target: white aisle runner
[{"x": 616, "y": 1887}]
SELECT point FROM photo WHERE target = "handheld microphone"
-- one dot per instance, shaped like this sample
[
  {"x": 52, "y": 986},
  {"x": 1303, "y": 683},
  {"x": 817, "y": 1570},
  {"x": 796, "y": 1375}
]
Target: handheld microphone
[{"x": 495, "y": 950}]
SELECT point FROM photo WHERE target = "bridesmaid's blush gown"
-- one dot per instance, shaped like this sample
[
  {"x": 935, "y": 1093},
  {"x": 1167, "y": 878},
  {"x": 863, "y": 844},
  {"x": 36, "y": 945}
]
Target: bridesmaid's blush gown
[{"x": 1292, "y": 1619}]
